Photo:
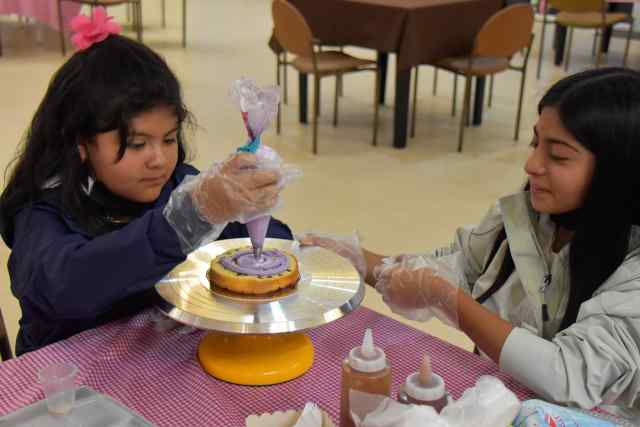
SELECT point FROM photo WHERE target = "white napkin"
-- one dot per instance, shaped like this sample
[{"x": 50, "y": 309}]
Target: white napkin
[
  {"x": 488, "y": 404},
  {"x": 311, "y": 416},
  {"x": 394, "y": 414}
]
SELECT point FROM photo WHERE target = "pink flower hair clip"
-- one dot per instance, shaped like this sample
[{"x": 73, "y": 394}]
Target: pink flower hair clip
[{"x": 94, "y": 29}]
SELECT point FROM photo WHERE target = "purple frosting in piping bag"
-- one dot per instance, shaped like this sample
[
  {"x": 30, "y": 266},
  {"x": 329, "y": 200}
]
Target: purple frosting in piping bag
[
  {"x": 271, "y": 263},
  {"x": 257, "y": 229}
]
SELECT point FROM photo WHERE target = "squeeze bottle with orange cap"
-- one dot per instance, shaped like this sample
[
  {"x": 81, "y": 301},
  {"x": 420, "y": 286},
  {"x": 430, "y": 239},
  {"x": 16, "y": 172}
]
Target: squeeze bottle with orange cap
[
  {"x": 424, "y": 388},
  {"x": 367, "y": 370}
]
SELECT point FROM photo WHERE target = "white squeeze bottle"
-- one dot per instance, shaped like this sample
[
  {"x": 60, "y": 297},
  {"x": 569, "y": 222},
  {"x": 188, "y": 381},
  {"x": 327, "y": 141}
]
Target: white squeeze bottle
[
  {"x": 367, "y": 370},
  {"x": 424, "y": 388}
]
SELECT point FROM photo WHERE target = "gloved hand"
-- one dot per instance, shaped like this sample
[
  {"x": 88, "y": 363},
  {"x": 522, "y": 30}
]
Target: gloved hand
[
  {"x": 345, "y": 246},
  {"x": 239, "y": 189},
  {"x": 418, "y": 288},
  {"x": 242, "y": 188}
]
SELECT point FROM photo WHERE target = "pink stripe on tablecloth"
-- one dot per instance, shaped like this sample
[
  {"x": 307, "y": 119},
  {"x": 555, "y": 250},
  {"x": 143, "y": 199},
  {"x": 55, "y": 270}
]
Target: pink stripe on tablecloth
[
  {"x": 44, "y": 11},
  {"x": 158, "y": 376}
]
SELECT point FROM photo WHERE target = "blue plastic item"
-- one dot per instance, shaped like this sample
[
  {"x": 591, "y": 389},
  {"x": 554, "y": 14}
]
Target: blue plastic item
[
  {"x": 251, "y": 146},
  {"x": 537, "y": 413}
]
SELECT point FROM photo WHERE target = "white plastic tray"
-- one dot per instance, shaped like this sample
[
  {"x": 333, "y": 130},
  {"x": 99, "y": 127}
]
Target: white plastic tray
[{"x": 91, "y": 409}]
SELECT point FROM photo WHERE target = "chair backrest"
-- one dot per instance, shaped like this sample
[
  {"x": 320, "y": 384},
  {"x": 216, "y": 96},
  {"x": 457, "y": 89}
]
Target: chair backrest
[
  {"x": 506, "y": 32},
  {"x": 5, "y": 346},
  {"x": 579, "y": 6},
  {"x": 291, "y": 29}
]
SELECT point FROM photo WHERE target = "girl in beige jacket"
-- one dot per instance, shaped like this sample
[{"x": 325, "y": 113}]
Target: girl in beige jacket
[{"x": 548, "y": 284}]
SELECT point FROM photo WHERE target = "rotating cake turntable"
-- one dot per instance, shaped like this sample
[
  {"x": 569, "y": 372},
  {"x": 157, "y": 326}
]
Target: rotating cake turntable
[{"x": 258, "y": 339}]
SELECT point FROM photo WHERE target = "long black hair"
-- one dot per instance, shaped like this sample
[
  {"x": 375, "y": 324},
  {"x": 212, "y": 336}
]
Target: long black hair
[
  {"x": 97, "y": 90},
  {"x": 601, "y": 110}
]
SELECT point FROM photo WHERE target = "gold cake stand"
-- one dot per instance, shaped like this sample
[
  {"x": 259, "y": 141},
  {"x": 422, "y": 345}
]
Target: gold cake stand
[{"x": 257, "y": 340}]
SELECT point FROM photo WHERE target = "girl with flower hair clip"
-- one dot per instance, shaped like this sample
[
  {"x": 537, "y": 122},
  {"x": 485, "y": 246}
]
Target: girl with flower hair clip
[{"x": 100, "y": 203}]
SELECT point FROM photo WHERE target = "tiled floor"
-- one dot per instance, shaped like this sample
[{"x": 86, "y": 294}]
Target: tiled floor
[{"x": 407, "y": 200}]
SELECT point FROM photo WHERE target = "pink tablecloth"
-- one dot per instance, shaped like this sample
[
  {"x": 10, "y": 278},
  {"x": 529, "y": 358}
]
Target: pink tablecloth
[
  {"x": 158, "y": 376},
  {"x": 44, "y": 11}
]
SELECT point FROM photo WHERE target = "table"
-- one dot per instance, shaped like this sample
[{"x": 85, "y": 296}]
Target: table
[
  {"x": 157, "y": 374},
  {"x": 44, "y": 11},
  {"x": 417, "y": 31}
]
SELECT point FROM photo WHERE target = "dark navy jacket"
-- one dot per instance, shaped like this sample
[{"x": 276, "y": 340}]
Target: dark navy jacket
[{"x": 68, "y": 281}]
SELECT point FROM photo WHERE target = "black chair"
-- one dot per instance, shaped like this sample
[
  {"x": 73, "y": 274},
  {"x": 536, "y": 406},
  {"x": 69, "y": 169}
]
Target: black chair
[{"x": 5, "y": 346}]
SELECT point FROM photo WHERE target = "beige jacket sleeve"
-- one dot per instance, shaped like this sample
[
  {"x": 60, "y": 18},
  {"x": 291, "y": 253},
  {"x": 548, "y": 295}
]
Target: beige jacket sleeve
[{"x": 593, "y": 362}]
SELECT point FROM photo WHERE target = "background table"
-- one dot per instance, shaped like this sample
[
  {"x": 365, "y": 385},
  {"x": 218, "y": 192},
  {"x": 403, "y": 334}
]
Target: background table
[
  {"x": 44, "y": 11},
  {"x": 417, "y": 31}
]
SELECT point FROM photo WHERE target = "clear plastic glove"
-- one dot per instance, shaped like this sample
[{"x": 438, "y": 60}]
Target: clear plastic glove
[
  {"x": 346, "y": 246},
  {"x": 239, "y": 189},
  {"x": 418, "y": 288}
]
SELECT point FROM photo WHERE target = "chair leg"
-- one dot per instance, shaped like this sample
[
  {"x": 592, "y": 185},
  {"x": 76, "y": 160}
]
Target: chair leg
[
  {"x": 626, "y": 47},
  {"x": 435, "y": 81},
  {"x": 184, "y": 24},
  {"x": 139, "y": 24},
  {"x": 278, "y": 119},
  {"x": 520, "y": 99},
  {"x": 164, "y": 13},
  {"x": 316, "y": 105},
  {"x": 471, "y": 96},
  {"x": 490, "y": 91},
  {"x": 541, "y": 50},
  {"x": 465, "y": 110},
  {"x": 5, "y": 349},
  {"x": 319, "y": 100},
  {"x": 63, "y": 47},
  {"x": 376, "y": 107},
  {"x": 285, "y": 78},
  {"x": 5, "y": 345},
  {"x": 567, "y": 54},
  {"x": 317, "y": 113},
  {"x": 335, "y": 101},
  {"x": 134, "y": 17},
  {"x": 599, "y": 53},
  {"x": 341, "y": 93},
  {"x": 455, "y": 94},
  {"x": 278, "y": 65},
  {"x": 414, "y": 106},
  {"x": 595, "y": 42}
]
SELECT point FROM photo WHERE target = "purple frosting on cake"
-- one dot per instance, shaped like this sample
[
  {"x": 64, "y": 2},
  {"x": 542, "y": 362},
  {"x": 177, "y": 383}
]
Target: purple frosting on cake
[{"x": 273, "y": 262}]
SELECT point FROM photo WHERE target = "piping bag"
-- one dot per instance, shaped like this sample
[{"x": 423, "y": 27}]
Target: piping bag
[{"x": 258, "y": 107}]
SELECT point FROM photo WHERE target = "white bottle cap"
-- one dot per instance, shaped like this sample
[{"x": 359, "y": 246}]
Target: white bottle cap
[
  {"x": 367, "y": 358},
  {"x": 425, "y": 385}
]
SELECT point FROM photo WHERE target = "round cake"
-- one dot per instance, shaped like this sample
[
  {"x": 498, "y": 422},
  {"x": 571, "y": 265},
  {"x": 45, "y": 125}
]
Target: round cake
[{"x": 238, "y": 271}]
